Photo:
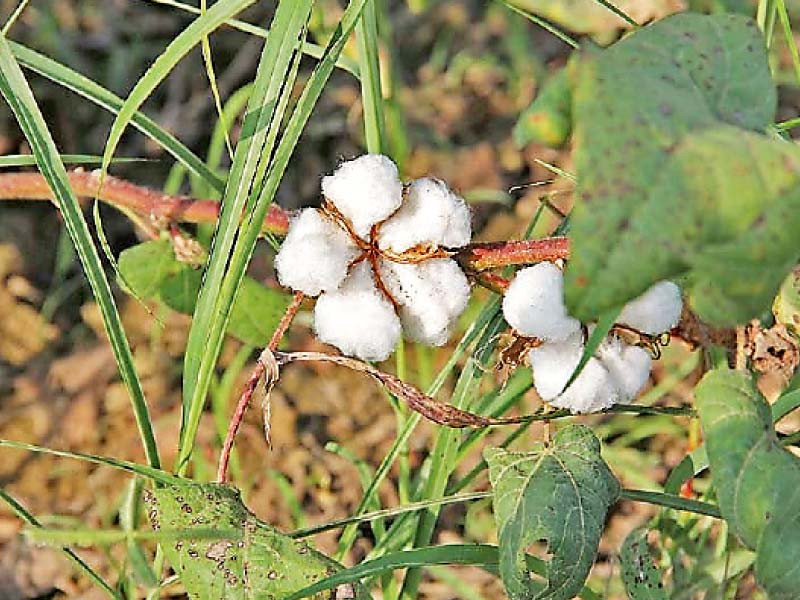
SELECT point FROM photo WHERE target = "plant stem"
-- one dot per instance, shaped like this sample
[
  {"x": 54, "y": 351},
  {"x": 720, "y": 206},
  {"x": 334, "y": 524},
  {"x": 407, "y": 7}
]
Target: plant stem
[
  {"x": 162, "y": 208},
  {"x": 251, "y": 385},
  {"x": 128, "y": 196},
  {"x": 492, "y": 255}
]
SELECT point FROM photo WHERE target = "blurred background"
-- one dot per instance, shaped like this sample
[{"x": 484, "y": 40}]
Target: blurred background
[{"x": 457, "y": 76}]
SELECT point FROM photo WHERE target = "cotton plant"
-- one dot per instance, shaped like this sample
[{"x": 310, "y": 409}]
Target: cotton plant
[
  {"x": 534, "y": 306},
  {"x": 377, "y": 255}
]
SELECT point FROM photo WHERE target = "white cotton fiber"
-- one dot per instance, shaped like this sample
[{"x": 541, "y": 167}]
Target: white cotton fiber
[
  {"x": 656, "y": 311},
  {"x": 315, "y": 254},
  {"x": 592, "y": 391},
  {"x": 431, "y": 294},
  {"x": 534, "y": 304},
  {"x": 357, "y": 318},
  {"x": 366, "y": 190},
  {"x": 629, "y": 366},
  {"x": 430, "y": 214},
  {"x": 553, "y": 363}
]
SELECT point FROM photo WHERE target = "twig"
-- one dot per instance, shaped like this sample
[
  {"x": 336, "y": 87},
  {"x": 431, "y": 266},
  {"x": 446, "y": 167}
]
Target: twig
[
  {"x": 129, "y": 197},
  {"x": 265, "y": 366},
  {"x": 492, "y": 255},
  {"x": 162, "y": 209}
]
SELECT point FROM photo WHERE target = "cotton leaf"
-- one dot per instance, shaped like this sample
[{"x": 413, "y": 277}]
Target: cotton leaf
[
  {"x": 248, "y": 560},
  {"x": 559, "y": 493},
  {"x": 757, "y": 481},
  {"x": 672, "y": 168}
]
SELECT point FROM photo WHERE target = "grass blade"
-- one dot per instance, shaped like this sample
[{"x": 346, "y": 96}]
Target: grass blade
[
  {"x": 161, "y": 67},
  {"x": 389, "y": 512},
  {"x": 620, "y": 13},
  {"x": 23, "y": 514},
  {"x": 446, "y": 445},
  {"x": 214, "y": 304},
  {"x": 311, "y": 49},
  {"x": 102, "y": 537},
  {"x": 155, "y": 474},
  {"x": 94, "y": 92},
  {"x": 483, "y": 555},
  {"x": 27, "y": 160},
  {"x": 488, "y": 313},
  {"x": 20, "y": 98},
  {"x": 672, "y": 501},
  {"x": 265, "y": 108},
  {"x": 369, "y": 67},
  {"x": 542, "y": 23}
]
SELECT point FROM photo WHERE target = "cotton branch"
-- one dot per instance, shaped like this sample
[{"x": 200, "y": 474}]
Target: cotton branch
[
  {"x": 127, "y": 196},
  {"x": 166, "y": 208}
]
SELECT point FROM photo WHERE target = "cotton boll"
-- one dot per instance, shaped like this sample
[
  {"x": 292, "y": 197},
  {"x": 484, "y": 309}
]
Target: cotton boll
[
  {"x": 553, "y": 363},
  {"x": 430, "y": 214},
  {"x": 629, "y": 366},
  {"x": 315, "y": 254},
  {"x": 656, "y": 311},
  {"x": 431, "y": 295},
  {"x": 592, "y": 391},
  {"x": 366, "y": 190},
  {"x": 357, "y": 318},
  {"x": 534, "y": 304}
]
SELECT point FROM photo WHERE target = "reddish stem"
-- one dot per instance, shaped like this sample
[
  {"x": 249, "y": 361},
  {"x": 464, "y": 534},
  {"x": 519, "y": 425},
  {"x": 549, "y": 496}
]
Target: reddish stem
[
  {"x": 251, "y": 385},
  {"x": 157, "y": 206},
  {"x": 126, "y": 195},
  {"x": 492, "y": 255}
]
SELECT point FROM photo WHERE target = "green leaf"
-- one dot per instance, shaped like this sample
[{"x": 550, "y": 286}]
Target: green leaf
[
  {"x": 786, "y": 307},
  {"x": 145, "y": 266},
  {"x": 253, "y": 561},
  {"x": 152, "y": 271},
  {"x": 640, "y": 575},
  {"x": 560, "y": 494},
  {"x": 757, "y": 481},
  {"x": 548, "y": 119},
  {"x": 673, "y": 179}
]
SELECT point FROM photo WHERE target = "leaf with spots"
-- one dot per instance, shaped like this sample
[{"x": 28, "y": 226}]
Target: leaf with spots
[
  {"x": 757, "y": 480},
  {"x": 249, "y": 560},
  {"x": 640, "y": 575},
  {"x": 676, "y": 178},
  {"x": 560, "y": 494}
]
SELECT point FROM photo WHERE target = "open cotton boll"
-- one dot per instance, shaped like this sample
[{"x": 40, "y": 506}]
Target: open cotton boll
[
  {"x": 534, "y": 304},
  {"x": 592, "y": 391},
  {"x": 431, "y": 294},
  {"x": 315, "y": 254},
  {"x": 553, "y": 363},
  {"x": 629, "y": 366},
  {"x": 430, "y": 214},
  {"x": 357, "y": 318},
  {"x": 366, "y": 190},
  {"x": 656, "y": 311}
]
